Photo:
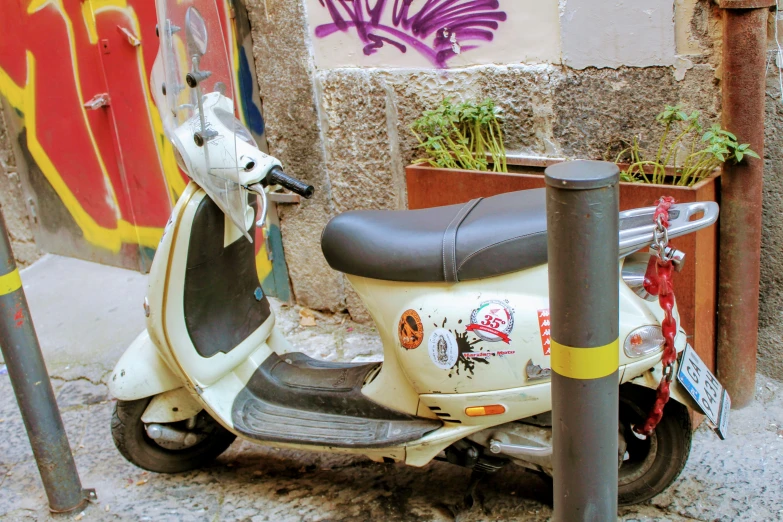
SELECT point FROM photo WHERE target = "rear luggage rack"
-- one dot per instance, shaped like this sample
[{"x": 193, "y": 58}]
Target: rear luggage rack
[{"x": 637, "y": 226}]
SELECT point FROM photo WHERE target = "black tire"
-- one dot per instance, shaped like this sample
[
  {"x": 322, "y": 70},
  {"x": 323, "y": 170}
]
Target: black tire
[
  {"x": 130, "y": 437},
  {"x": 655, "y": 463}
]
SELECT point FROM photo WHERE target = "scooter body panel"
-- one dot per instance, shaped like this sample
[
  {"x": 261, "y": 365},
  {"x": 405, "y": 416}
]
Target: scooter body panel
[
  {"x": 652, "y": 378},
  {"x": 482, "y": 354},
  {"x": 141, "y": 372},
  {"x": 167, "y": 305}
]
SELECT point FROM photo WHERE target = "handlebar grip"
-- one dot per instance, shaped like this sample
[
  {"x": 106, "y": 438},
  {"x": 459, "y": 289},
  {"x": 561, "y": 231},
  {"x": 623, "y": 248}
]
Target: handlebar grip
[{"x": 276, "y": 176}]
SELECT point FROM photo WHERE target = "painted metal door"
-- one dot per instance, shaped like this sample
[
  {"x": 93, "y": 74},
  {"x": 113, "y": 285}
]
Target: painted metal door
[{"x": 100, "y": 175}]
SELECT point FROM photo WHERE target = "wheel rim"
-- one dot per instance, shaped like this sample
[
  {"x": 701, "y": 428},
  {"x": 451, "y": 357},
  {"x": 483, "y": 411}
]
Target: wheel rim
[{"x": 641, "y": 453}]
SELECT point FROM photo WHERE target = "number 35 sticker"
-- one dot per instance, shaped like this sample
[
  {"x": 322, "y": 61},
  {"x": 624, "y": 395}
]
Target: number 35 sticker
[{"x": 492, "y": 321}]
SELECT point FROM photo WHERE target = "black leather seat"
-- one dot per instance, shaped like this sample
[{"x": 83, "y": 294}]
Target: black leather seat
[{"x": 482, "y": 238}]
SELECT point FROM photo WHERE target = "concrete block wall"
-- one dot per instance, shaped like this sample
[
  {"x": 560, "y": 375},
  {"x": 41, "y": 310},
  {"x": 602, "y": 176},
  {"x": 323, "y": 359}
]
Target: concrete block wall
[
  {"x": 770, "y": 359},
  {"x": 346, "y": 113},
  {"x": 345, "y": 128}
]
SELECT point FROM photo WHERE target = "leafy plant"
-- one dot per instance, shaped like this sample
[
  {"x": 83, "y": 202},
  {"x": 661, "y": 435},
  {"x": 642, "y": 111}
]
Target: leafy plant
[
  {"x": 461, "y": 135},
  {"x": 682, "y": 145}
]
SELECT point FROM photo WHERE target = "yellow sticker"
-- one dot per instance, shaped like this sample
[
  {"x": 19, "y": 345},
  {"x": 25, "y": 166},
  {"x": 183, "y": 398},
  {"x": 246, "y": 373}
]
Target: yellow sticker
[
  {"x": 585, "y": 363},
  {"x": 10, "y": 282}
]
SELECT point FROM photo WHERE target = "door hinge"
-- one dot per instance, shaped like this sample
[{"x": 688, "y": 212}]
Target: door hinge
[
  {"x": 132, "y": 38},
  {"x": 97, "y": 101}
]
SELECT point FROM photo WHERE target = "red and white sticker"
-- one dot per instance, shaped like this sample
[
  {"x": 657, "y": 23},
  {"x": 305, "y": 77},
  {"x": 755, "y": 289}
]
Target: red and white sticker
[
  {"x": 492, "y": 321},
  {"x": 544, "y": 328}
]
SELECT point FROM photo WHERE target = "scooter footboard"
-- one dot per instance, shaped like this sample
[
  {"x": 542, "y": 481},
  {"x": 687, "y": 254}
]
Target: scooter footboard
[{"x": 141, "y": 372}]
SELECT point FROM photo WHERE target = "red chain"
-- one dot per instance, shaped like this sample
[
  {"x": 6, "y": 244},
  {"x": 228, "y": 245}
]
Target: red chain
[{"x": 658, "y": 281}]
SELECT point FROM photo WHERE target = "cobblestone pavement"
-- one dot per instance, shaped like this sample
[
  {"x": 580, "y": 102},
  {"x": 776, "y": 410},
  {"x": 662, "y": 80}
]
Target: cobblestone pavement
[{"x": 739, "y": 479}]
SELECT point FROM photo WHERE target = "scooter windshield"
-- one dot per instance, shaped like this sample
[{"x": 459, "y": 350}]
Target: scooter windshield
[{"x": 193, "y": 88}]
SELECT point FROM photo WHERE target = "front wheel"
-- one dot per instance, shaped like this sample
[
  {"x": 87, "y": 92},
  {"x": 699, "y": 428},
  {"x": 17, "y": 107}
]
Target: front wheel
[
  {"x": 649, "y": 466},
  {"x": 207, "y": 440}
]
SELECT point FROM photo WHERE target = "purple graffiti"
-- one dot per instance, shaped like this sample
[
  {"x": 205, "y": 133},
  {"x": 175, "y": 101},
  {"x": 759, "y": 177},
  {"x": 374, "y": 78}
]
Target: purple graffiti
[{"x": 451, "y": 21}]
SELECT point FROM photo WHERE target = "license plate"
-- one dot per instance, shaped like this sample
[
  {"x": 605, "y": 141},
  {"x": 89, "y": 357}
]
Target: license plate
[{"x": 705, "y": 389}]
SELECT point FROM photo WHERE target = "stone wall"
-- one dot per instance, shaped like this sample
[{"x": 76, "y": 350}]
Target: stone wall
[
  {"x": 285, "y": 79},
  {"x": 345, "y": 128},
  {"x": 12, "y": 202},
  {"x": 770, "y": 359}
]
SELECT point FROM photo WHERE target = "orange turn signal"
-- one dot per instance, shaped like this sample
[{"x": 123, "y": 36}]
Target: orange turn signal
[{"x": 479, "y": 411}]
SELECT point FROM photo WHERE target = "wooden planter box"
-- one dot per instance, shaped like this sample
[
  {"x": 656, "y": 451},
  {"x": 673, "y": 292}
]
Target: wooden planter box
[{"x": 695, "y": 286}]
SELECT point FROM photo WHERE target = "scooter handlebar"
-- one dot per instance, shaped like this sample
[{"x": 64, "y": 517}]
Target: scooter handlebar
[{"x": 276, "y": 176}]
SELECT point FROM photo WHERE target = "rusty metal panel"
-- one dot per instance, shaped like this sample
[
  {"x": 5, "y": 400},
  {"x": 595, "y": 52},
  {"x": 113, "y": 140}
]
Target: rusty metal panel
[{"x": 744, "y": 82}]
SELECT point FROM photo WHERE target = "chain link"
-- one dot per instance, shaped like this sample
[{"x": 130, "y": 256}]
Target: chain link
[
  {"x": 661, "y": 239},
  {"x": 657, "y": 281},
  {"x": 668, "y": 372}
]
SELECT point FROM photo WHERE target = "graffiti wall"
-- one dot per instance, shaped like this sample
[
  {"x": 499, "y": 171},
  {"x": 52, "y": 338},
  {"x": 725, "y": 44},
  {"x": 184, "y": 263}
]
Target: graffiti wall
[
  {"x": 100, "y": 174},
  {"x": 433, "y": 33},
  {"x": 456, "y": 33}
]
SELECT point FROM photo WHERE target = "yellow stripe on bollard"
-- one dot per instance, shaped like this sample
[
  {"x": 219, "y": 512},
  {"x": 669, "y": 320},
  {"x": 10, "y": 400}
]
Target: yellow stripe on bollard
[
  {"x": 10, "y": 282},
  {"x": 585, "y": 363}
]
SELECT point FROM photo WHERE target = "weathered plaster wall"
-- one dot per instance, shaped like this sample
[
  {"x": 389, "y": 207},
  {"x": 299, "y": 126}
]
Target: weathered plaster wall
[
  {"x": 771, "y": 288},
  {"x": 453, "y": 34},
  {"x": 620, "y": 32},
  {"x": 12, "y": 202},
  {"x": 440, "y": 34}
]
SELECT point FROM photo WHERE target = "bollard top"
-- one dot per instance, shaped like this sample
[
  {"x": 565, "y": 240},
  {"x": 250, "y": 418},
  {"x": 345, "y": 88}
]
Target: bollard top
[{"x": 582, "y": 175}]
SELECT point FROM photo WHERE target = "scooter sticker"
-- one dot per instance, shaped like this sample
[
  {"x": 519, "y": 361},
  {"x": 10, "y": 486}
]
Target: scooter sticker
[
  {"x": 443, "y": 349},
  {"x": 543, "y": 326},
  {"x": 485, "y": 355},
  {"x": 492, "y": 321},
  {"x": 535, "y": 372},
  {"x": 410, "y": 330}
]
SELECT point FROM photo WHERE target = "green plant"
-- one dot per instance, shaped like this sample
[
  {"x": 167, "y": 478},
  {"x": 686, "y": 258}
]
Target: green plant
[
  {"x": 683, "y": 146},
  {"x": 461, "y": 135}
]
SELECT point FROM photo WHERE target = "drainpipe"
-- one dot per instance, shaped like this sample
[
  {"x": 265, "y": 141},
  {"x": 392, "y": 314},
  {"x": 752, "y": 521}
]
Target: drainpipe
[{"x": 743, "y": 87}]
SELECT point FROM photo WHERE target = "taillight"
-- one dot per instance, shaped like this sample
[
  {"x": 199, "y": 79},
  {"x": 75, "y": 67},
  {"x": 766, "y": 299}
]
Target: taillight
[{"x": 643, "y": 341}]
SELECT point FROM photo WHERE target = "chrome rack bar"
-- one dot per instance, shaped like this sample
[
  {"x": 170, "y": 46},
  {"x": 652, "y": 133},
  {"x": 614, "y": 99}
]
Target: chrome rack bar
[{"x": 636, "y": 226}]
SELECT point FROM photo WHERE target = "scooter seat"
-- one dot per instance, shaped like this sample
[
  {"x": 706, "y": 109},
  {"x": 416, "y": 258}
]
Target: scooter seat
[{"x": 484, "y": 237}]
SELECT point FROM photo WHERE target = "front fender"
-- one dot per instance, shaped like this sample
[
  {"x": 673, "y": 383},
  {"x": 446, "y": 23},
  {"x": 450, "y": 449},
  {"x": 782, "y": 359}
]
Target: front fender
[
  {"x": 141, "y": 372},
  {"x": 652, "y": 377}
]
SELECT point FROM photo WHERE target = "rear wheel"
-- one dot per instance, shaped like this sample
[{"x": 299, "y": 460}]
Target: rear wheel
[
  {"x": 208, "y": 440},
  {"x": 651, "y": 465}
]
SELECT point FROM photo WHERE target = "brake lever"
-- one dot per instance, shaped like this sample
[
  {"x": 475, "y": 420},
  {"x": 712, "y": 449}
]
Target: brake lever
[{"x": 259, "y": 189}]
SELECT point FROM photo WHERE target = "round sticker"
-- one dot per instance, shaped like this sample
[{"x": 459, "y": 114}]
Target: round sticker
[
  {"x": 410, "y": 330},
  {"x": 443, "y": 348},
  {"x": 492, "y": 321}
]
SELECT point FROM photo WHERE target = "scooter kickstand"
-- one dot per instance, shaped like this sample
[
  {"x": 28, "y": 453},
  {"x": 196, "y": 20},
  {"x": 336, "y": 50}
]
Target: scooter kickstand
[{"x": 472, "y": 496}]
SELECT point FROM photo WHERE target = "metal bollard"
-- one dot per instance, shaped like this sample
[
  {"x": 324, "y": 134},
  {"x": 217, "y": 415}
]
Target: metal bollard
[
  {"x": 582, "y": 206},
  {"x": 33, "y": 390}
]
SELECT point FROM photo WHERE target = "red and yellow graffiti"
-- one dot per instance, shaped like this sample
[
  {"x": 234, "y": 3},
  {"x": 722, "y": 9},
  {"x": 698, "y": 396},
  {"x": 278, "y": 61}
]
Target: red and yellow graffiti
[
  {"x": 50, "y": 65},
  {"x": 112, "y": 168}
]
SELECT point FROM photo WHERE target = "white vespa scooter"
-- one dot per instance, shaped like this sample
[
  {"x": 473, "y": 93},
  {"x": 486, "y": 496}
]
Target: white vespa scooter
[{"x": 459, "y": 295}]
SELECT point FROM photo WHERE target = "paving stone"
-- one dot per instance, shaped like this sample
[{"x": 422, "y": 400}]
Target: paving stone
[
  {"x": 81, "y": 392},
  {"x": 738, "y": 479}
]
